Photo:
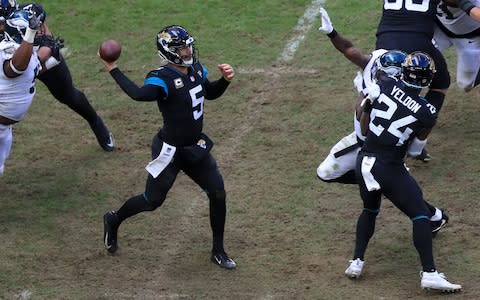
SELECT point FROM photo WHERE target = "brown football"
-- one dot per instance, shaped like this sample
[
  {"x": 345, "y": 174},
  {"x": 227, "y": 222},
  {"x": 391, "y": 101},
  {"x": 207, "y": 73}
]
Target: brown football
[{"x": 110, "y": 50}]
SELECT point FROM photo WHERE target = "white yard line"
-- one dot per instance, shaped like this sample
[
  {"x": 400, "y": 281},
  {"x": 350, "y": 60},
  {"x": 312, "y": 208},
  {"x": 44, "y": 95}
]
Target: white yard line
[
  {"x": 251, "y": 115},
  {"x": 303, "y": 26}
]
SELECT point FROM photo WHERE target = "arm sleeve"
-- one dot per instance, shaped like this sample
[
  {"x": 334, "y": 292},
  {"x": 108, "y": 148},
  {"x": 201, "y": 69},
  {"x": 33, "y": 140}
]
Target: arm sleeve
[
  {"x": 145, "y": 93},
  {"x": 214, "y": 89}
]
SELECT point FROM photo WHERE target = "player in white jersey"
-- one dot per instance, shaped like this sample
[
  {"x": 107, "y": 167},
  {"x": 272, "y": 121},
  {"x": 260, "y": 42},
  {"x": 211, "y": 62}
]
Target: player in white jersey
[
  {"x": 456, "y": 28},
  {"x": 339, "y": 165},
  {"x": 19, "y": 68}
]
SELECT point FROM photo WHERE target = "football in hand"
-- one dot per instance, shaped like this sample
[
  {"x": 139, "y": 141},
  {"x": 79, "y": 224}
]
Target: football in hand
[{"x": 110, "y": 50}]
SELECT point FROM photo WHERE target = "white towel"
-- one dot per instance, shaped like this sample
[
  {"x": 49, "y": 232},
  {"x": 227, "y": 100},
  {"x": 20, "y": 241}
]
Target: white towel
[{"x": 156, "y": 166}]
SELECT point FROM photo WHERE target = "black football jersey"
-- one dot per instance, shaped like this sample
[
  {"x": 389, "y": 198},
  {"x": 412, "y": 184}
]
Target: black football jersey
[
  {"x": 397, "y": 116},
  {"x": 408, "y": 16},
  {"x": 182, "y": 105}
]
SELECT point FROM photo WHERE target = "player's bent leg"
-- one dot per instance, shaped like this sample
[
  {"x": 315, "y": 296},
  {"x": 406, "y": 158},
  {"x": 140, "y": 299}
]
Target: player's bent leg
[
  {"x": 339, "y": 165},
  {"x": 207, "y": 175},
  {"x": 59, "y": 82}
]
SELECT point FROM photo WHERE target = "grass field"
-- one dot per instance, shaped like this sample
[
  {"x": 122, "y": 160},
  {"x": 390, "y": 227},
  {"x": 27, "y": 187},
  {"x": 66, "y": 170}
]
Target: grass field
[{"x": 291, "y": 234}]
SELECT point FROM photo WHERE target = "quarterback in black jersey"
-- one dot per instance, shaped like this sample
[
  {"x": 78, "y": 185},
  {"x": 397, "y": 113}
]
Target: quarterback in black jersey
[
  {"x": 179, "y": 88},
  {"x": 399, "y": 121}
]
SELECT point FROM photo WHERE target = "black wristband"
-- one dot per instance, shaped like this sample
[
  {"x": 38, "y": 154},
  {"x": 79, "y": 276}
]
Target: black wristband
[
  {"x": 466, "y": 5},
  {"x": 332, "y": 34}
]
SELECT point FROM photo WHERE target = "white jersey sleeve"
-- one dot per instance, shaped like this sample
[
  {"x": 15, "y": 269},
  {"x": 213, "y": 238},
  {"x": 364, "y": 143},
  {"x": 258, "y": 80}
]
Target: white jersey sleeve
[
  {"x": 369, "y": 70},
  {"x": 455, "y": 20}
]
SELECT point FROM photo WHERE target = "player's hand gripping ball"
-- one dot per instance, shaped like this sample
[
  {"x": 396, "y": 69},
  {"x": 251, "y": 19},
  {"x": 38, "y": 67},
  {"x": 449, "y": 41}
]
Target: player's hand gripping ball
[{"x": 110, "y": 50}]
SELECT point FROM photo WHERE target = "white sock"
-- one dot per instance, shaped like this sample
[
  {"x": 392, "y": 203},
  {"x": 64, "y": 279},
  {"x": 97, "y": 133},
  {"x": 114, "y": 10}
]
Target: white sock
[{"x": 437, "y": 216}]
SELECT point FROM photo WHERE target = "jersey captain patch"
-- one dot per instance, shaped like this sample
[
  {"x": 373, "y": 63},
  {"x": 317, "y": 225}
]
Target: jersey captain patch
[{"x": 178, "y": 83}]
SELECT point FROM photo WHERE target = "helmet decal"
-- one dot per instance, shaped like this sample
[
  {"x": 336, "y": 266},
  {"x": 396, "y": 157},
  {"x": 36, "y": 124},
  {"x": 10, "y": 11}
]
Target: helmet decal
[
  {"x": 172, "y": 38},
  {"x": 418, "y": 70}
]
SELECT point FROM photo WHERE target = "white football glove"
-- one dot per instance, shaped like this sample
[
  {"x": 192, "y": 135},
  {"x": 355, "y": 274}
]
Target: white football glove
[
  {"x": 372, "y": 93},
  {"x": 327, "y": 25}
]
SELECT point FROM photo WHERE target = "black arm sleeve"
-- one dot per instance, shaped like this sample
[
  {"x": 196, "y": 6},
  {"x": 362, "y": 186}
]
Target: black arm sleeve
[
  {"x": 214, "y": 89},
  {"x": 144, "y": 93}
]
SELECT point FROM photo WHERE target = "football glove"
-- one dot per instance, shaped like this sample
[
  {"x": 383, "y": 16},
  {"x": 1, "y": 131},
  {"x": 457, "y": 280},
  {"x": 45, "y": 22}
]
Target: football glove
[
  {"x": 55, "y": 44},
  {"x": 34, "y": 21},
  {"x": 327, "y": 25},
  {"x": 372, "y": 93}
]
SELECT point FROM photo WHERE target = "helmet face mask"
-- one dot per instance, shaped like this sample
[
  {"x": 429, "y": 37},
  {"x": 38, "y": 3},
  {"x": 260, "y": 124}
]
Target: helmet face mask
[
  {"x": 418, "y": 70},
  {"x": 171, "y": 41}
]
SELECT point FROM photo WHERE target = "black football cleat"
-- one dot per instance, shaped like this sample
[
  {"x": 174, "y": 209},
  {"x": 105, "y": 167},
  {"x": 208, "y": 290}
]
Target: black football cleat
[
  {"x": 437, "y": 225},
  {"x": 104, "y": 137},
  {"x": 110, "y": 228},
  {"x": 222, "y": 259},
  {"x": 424, "y": 156}
]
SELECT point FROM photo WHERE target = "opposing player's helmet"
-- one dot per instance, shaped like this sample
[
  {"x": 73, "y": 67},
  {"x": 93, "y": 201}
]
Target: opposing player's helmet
[
  {"x": 7, "y": 7},
  {"x": 16, "y": 24},
  {"x": 391, "y": 62},
  {"x": 170, "y": 40},
  {"x": 418, "y": 70},
  {"x": 35, "y": 8}
]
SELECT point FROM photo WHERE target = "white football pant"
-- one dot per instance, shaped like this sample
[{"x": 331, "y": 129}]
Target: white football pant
[{"x": 6, "y": 139}]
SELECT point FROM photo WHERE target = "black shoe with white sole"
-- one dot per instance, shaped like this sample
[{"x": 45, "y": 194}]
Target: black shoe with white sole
[
  {"x": 110, "y": 228},
  {"x": 437, "y": 225},
  {"x": 222, "y": 259},
  {"x": 103, "y": 135}
]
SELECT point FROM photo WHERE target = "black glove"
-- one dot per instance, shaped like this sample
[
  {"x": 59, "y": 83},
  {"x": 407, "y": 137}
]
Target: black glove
[
  {"x": 34, "y": 20},
  {"x": 55, "y": 44},
  {"x": 37, "y": 9}
]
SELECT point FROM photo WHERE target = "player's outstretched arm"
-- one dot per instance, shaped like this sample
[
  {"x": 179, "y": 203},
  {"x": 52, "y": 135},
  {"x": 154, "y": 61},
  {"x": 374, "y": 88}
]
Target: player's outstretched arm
[{"x": 342, "y": 44}]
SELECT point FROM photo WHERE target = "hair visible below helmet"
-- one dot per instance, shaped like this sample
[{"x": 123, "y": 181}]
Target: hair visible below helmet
[
  {"x": 172, "y": 38},
  {"x": 7, "y": 7},
  {"x": 418, "y": 70},
  {"x": 16, "y": 24}
]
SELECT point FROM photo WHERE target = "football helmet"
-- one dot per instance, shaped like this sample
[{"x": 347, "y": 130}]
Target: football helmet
[
  {"x": 390, "y": 63},
  {"x": 7, "y": 7},
  {"x": 170, "y": 40},
  {"x": 15, "y": 25},
  {"x": 35, "y": 8},
  {"x": 418, "y": 70}
]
